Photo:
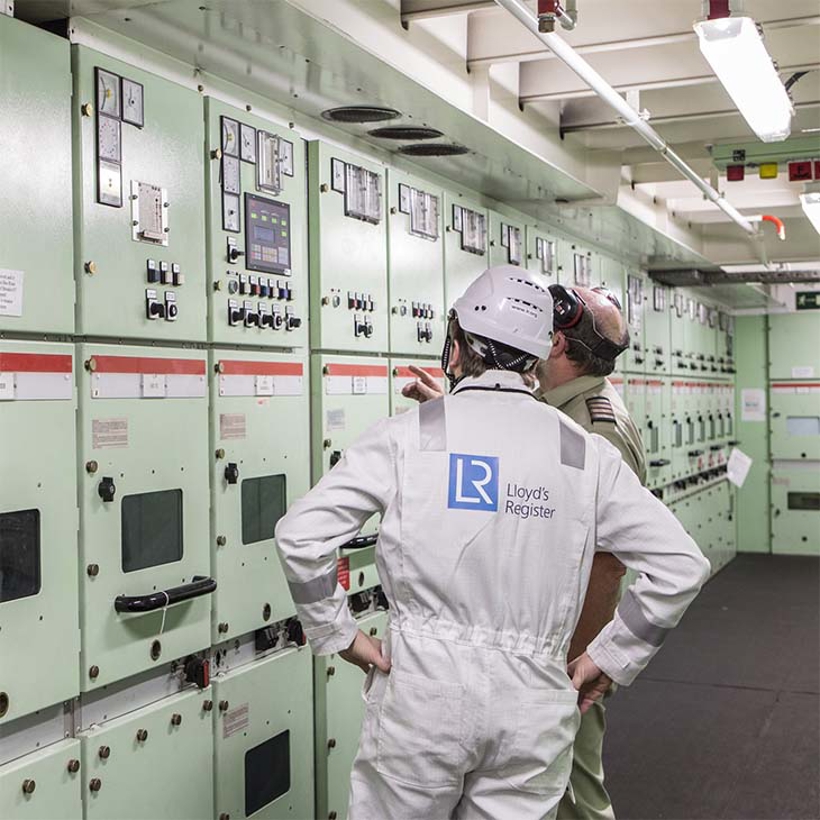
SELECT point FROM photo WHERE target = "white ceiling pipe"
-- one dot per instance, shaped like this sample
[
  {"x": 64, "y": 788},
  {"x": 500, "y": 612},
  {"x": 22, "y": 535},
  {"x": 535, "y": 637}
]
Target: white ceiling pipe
[{"x": 631, "y": 117}]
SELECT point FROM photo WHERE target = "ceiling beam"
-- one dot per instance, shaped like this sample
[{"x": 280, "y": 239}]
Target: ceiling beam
[{"x": 414, "y": 10}]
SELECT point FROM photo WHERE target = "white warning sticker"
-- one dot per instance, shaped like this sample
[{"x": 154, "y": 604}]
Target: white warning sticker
[
  {"x": 335, "y": 419},
  {"x": 232, "y": 425},
  {"x": 109, "y": 433},
  {"x": 235, "y": 720},
  {"x": 11, "y": 292}
]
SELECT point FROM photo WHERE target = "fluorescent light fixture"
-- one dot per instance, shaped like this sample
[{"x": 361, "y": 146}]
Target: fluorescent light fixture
[
  {"x": 810, "y": 200},
  {"x": 735, "y": 50}
]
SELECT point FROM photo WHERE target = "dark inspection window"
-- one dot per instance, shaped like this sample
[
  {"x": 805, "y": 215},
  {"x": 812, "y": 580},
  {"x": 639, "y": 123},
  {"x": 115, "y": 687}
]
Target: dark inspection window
[
  {"x": 267, "y": 772},
  {"x": 19, "y": 554},
  {"x": 264, "y": 501},
  {"x": 151, "y": 529}
]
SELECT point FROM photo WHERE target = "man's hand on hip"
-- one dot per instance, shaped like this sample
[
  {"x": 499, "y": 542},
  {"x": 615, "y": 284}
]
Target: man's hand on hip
[
  {"x": 365, "y": 652},
  {"x": 423, "y": 388},
  {"x": 589, "y": 680}
]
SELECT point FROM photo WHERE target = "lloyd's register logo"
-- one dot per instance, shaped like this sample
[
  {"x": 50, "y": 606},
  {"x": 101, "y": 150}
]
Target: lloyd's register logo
[{"x": 473, "y": 482}]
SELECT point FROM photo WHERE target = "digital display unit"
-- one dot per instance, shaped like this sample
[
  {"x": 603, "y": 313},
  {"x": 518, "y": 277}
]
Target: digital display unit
[{"x": 267, "y": 235}]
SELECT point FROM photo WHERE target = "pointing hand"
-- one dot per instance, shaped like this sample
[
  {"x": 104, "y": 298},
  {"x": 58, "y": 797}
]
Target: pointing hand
[{"x": 423, "y": 388}]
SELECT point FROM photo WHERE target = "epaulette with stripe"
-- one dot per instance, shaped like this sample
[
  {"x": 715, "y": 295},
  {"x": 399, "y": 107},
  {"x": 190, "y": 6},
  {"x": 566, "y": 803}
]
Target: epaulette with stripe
[{"x": 600, "y": 409}]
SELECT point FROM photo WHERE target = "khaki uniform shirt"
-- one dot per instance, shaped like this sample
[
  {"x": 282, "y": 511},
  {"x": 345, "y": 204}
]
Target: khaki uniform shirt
[{"x": 596, "y": 405}]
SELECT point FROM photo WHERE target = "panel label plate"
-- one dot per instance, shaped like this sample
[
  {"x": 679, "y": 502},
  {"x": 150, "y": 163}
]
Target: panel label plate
[
  {"x": 109, "y": 433},
  {"x": 232, "y": 426},
  {"x": 236, "y": 720},
  {"x": 11, "y": 292}
]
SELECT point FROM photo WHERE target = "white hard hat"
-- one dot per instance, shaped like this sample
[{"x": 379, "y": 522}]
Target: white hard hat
[{"x": 510, "y": 305}]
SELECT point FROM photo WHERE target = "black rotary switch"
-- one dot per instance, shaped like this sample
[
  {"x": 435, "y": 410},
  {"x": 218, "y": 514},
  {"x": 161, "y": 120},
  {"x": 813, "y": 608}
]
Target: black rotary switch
[
  {"x": 107, "y": 489},
  {"x": 232, "y": 473}
]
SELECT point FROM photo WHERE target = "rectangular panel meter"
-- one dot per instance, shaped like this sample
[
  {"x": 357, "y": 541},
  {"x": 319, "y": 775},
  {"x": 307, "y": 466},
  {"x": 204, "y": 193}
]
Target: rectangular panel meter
[
  {"x": 465, "y": 244},
  {"x": 152, "y": 762},
  {"x": 260, "y": 429},
  {"x": 58, "y": 782},
  {"x": 506, "y": 239},
  {"x": 349, "y": 394},
  {"x": 795, "y": 419},
  {"x": 36, "y": 281},
  {"x": 348, "y": 251},
  {"x": 38, "y": 524},
  {"x": 256, "y": 229},
  {"x": 263, "y": 737},
  {"x": 401, "y": 375},
  {"x": 339, "y": 711},
  {"x": 139, "y": 261},
  {"x": 542, "y": 253},
  {"x": 415, "y": 265},
  {"x": 635, "y": 307},
  {"x": 145, "y": 560}
]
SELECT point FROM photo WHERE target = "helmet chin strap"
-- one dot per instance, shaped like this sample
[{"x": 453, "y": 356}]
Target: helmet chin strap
[{"x": 445, "y": 361}]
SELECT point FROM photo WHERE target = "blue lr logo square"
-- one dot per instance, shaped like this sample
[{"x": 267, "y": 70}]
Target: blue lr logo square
[{"x": 473, "y": 482}]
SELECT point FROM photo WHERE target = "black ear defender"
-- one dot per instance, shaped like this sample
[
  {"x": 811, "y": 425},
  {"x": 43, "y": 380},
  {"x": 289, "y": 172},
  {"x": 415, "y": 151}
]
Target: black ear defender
[{"x": 568, "y": 309}]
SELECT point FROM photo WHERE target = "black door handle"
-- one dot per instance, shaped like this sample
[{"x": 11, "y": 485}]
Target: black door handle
[{"x": 199, "y": 585}]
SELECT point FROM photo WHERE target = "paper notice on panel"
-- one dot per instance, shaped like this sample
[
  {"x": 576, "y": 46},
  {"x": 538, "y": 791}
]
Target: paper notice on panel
[
  {"x": 109, "y": 433},
  {"x": 738, "y": 467},
  {"x": 11, "y": 292},
  {"x": 752, "y": 404},
  {"x": 232, "y": 426},
  {"x": 335, "y": 419},
  {"x": 235, "y": 720}
]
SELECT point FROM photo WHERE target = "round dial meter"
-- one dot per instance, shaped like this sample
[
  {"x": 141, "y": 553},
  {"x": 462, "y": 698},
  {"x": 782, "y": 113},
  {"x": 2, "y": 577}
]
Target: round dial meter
[{"x": 132, "y": 102}]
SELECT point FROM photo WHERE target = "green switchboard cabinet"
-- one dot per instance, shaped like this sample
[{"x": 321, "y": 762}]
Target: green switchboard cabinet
[
  {"x": 139, "y": 215},
  {"x": 795, "y": 508},
  {"x": 257, "y": 230},
  {"x": 415, "y": 264},
  {"x": 657, "y": 329},
  {"x": 339, "y": 710},
  {"x": 348, "y": 251},
  {"x": 263, "y": 738},
  {"x": 38, "y": 528},
  {"x": 634, "y": 358},
  {"x": 44, "y": 784},
  {"x": 145, "y": 561},
  {"x": 794, "y": 346},
  {"x": 260, "y": 441},
  {"x": 466, "y": 244},
  {"x": 36, "y": 276},
  {"x": 154, "y": 762},
  {"x": 507, "y": 239},
  {"x": 795, "y": 419}
]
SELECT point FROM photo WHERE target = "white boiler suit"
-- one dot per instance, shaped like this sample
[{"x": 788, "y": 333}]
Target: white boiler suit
[{"x": 493, "y": 504}]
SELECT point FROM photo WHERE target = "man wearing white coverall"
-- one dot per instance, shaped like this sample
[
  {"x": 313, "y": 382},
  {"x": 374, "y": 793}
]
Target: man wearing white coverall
[{"x": 493, "y": 504}]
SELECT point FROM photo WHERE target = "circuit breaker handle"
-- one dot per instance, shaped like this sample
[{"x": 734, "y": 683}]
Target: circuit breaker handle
[
  {"x": 361, "y": 542},
  {"x": 199, "y": 585},
  {"x": 660, "y": 462}
]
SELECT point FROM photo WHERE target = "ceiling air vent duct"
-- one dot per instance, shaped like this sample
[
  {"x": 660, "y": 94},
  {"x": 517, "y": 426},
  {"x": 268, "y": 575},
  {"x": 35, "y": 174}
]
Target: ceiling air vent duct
[
  {"x": 433, "y": 149},
  {"x": 406, "y": 132},
  {"x": 360, "y": 113}
]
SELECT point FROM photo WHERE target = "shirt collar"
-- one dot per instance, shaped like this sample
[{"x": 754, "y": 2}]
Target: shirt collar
[
  {"x": 494, "y": 379},
  {"x": 565, "y": 393}
]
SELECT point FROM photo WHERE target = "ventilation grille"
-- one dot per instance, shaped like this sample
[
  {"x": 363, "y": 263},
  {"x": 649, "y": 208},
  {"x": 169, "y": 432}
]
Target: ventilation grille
[
  {"x": 406, "y": 132},
  {"x": 433, "y": 149},
  {"x": 360, "y": 113}
]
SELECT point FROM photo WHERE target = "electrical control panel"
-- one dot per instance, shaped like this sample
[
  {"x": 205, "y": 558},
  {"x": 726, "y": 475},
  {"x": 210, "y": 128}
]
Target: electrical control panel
[
  {"x": 401, "y": 375},
  {"x": 634, "y": 357},
  {"x": 579, "y": 265},
  {"x": 788, "y": 360},
  {"x": 260, "y": 446},
  {"x": 415, "y": 260},
  {"x": 508, "y": 242},
  {"x": 46, "y": 783},
  {"x": 145, "y": 562},
  {"x": 657, "y": 331},
  {"x": 795, "y": 419},
  {"x": 257, "y": 230},
  {"x": 542, "y": 252},
  {"x": 156, "y": 761},
  {"x": 263, "y": 737},
  {"x": 466, "y": 244},
  {"x": 339, "y": 711},
  {"x": 655, "y": 433},
  {"x": 795, "y": 508},
  {"x": 36, "y": 282},
  {"x": 139, "y": 211},
  {"x": 348, "y": 251},
  {"x": 38, "y": 526}
]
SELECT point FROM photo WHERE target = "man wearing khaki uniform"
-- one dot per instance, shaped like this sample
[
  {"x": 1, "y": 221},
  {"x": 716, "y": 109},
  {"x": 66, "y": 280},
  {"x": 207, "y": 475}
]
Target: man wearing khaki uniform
[{"x": 573, "y": 380}]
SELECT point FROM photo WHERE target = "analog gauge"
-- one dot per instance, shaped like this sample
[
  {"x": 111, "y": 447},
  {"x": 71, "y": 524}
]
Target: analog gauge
[
  {"x": 230, "y": 212},
  {"x": 230, "y": 175},
  {"x": 248, "y": 150},
  {"x": 108, "y": 139},
  {"x": 230, "y": 137},
  {"x": 132, "y": 103},
  {"x": 108, "y": 93},
  {"x": 286, "y": 157},
  {"x": 109, "y": 184}
]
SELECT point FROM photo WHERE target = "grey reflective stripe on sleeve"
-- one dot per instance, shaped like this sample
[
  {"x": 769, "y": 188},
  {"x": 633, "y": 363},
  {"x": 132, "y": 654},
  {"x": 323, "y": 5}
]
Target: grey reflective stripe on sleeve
[
  {"x": 314, "y": 590},
  {"x": 631, "y": 614},
  {"x": 573, "y": 447},
  {"x": 432, "y": 426}
]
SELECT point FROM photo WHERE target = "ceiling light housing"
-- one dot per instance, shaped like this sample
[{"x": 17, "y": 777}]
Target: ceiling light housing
[
  {"x": 734, "y": 47},
  {"x": 810, "y": 200}
]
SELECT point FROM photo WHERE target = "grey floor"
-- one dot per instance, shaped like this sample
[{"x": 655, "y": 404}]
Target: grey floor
[{"x": 725, "y": 722}]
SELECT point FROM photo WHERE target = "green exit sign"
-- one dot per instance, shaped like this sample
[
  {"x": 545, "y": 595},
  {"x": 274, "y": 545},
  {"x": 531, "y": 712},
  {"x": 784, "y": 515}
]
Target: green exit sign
[{"x": 808, "y": 300}]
